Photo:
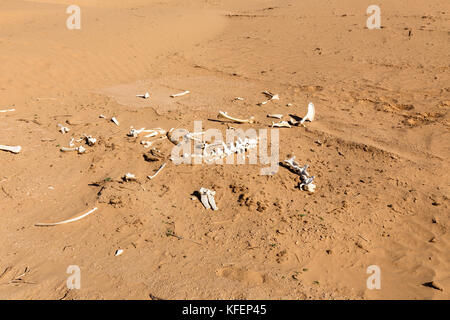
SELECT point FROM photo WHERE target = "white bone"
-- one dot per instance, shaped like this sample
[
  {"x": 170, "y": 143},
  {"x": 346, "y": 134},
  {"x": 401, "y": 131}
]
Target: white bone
[
  {"x": 102, "y": 116},
  {"x": 13, "y": 149},
  {"x": 90, "y": 140},
  {"x": 238, "y": 99},
  {"x": 207, "y": 198},
  {"x": 311, "y": 113},
  {"x": 225, "y": 115},
  {"x": 71, "y": 144},
  {"x": 118, "y": 252},
  {"x": 310, "y": 187},
  {"x": 293, "y": 121},
  {"x": 79, "y": 149},
  {"x": 157, "y": 171},
  {"x": 145, "y": 96},
  {"x": 271, "y": 97},
  {"x": 154, "y": 132},
  {"x": 113, "y": 119},
  {"x": 7, "y": 110},
  {"x": 63, "y": 129},
  {"x": 129, "y": 177},
  {"x": 281, "y": 124},
  {"x": 289, "y": 104},
  {"x": 277, "y": 116},
  {"x": 45, "y": 224},
  {"x": 179, "y": 94}
]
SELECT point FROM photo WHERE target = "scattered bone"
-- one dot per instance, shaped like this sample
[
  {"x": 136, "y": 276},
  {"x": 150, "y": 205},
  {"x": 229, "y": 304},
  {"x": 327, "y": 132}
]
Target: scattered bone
[
  {"x": 207, "y": 198},
  {"x": 238, "y": 99},
  {"x": 155, "y": 132},
  {"x": 71, "y": 144},
  {"x": 157, "y": 171},
  {"x": 63, "y": 129},
  {"x": 118, "y": 252},
  {"x": 271, "y": 97},
  {"x": 129, "y": 177},
  {"x": 79, "y": 149},
  {"x": 225, "y": 115},
  {"x": 113, "y": 119},
  {"x": 276, "y": 116},
  {"x": 90, "y": 140},
  {"x": 144, "y": 96},
  {"x": 289, "y": 105},
  {"x": 281, "y": 124},
  {"x": 102, "y": 116},
  {"x": 179, "y": 94},
  {"x": 293, "y": 122},
  {"x": 310, "y": 114},
  {"x": 45, "y": 224},
  {"x": 13, "y": 149},
  {"x": 7, "y": 110}
]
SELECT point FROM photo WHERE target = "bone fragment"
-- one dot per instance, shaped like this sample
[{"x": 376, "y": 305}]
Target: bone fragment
[
  {"x": 276, "y": 116},
  {"x": 281, "y": 124},
  {"x": 7, "y": 110},
  {"x": 129, "y": 177},
  {"x": 113, "y": 119},
  {"x": 207, "y": 198},
  {"x": 13, "y": 149},
  {"x": 144, "y": 96},
  {"x": 118, "y": 252},
  {"x": 179, "y": 94},
  {"x": 225, "y": 115},
  {"x": 310, "y": 114},
  {"x": 63, "y": 129},
  {"x": 46, "y": 224},
  {"x": 90, "y": 140}
]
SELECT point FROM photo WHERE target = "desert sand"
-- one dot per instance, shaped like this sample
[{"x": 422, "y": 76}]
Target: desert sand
[{"x": 378, "y": 147}]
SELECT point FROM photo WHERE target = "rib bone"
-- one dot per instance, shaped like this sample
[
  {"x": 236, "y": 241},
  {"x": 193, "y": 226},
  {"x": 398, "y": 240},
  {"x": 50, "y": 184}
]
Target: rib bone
[
  {"x": 45, "y": 224},
  {"x": 157, "y": 171},
  {"x": 225, "y": 115},
  {"x": 13, "y": 149}
]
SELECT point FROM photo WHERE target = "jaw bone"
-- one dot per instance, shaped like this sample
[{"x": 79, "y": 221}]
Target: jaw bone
[
  {"x": 226, "y": 116},
  {"x": 13, "y": 149}
]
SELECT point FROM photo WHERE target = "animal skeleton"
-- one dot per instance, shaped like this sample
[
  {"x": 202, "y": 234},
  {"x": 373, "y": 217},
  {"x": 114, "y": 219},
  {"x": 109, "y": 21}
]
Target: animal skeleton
[
  {"x": 207, "y": 198},
  {"x": 225, "y": 115},
  {"x": 13, "y": 149},
  {"x": 179, "y": 94}
]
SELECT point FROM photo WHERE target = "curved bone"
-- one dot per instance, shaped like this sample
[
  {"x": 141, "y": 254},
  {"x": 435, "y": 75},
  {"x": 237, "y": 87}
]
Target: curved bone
[
  {"x": 225, "y": 115},
  {"x": 46, "y": 224},
  {"x": 13, "y": 149},
  {"x": 157, "y": 171},
  {"x": 310, "y": 115}
]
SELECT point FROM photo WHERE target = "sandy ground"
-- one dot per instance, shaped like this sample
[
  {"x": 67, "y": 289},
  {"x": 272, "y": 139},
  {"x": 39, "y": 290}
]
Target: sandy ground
[{"x": 379, "y": 149}]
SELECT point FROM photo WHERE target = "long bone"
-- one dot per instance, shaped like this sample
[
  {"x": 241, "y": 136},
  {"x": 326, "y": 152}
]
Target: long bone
[
  {"x": 13, "y": 149},
  {"x": 276, "y": 116},
  {"x": 144, "y": 96},
  {"x": 225, "y": 115},
  {"x": 7, "y": 110},
  {"x": 180, "y": 94}
]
